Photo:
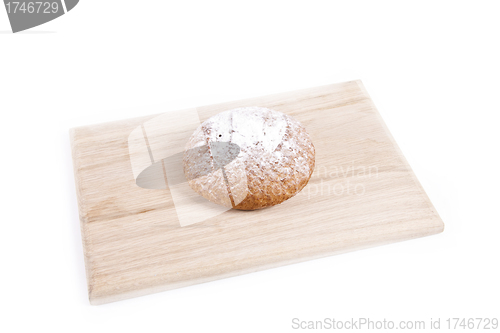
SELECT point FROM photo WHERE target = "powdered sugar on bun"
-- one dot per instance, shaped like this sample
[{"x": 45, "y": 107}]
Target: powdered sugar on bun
[{"x": 274, "y": 162}]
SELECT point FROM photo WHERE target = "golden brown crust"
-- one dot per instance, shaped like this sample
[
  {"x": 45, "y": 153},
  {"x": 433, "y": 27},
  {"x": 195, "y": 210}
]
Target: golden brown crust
[
  {"x": 270, "y": 168},
  {"x": 279, "y": 184}
]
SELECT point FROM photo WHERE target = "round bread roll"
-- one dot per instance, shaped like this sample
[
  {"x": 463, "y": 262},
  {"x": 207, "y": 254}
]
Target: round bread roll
[{"x": 249, "y": 158}]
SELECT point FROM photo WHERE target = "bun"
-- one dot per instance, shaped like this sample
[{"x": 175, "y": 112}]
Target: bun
[{"x": 249, "y": 158}]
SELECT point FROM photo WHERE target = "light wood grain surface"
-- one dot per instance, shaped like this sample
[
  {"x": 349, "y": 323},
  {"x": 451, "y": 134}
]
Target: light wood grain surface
[{"x": 362, "y": 193}]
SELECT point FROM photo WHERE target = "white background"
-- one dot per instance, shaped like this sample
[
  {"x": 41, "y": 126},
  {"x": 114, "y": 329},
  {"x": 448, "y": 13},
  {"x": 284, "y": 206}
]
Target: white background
[{"x": 431, "y": 67}]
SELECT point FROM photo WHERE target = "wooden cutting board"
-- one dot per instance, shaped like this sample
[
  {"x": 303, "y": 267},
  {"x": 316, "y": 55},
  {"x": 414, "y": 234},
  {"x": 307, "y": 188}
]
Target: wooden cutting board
[{"x": 362, "y": 193}]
